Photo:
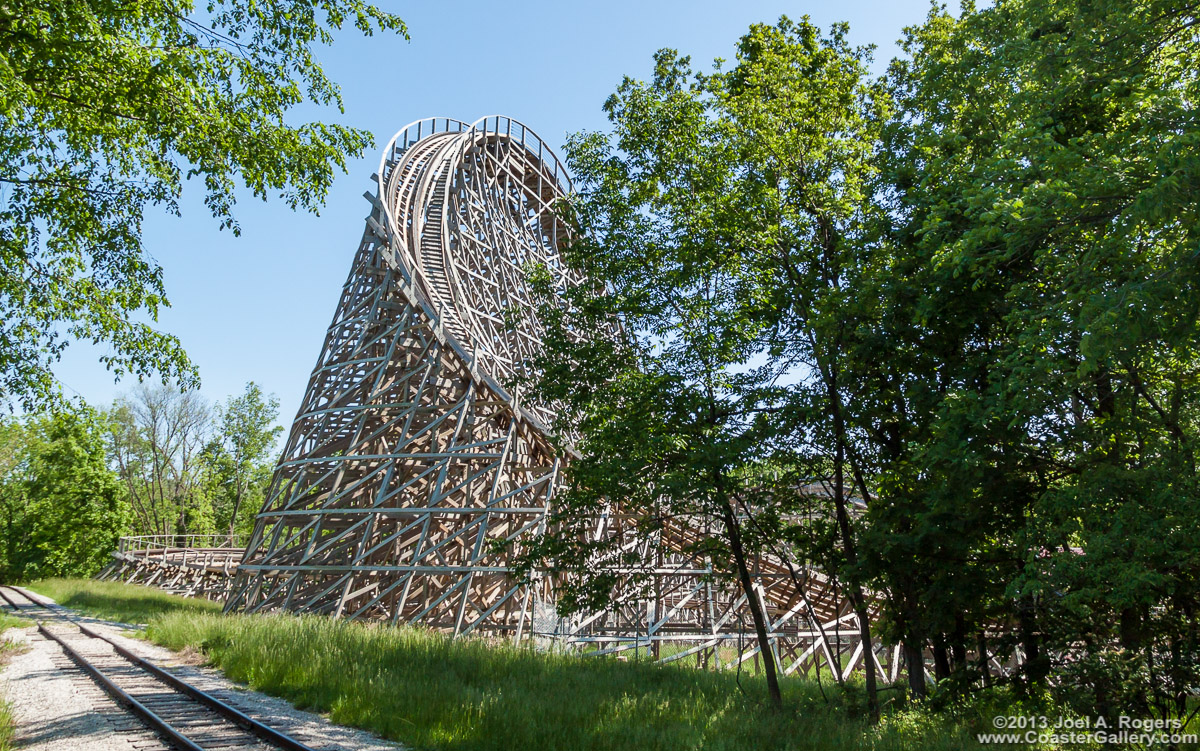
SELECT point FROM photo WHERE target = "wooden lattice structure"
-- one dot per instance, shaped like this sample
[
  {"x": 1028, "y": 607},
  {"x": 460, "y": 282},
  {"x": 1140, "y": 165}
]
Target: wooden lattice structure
[
  {"x": 413, "y": 459},
  {"x": 191, "y": 565}
]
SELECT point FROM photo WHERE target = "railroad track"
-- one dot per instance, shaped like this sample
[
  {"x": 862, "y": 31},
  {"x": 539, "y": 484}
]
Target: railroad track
[{"x": 186, "y": 717}]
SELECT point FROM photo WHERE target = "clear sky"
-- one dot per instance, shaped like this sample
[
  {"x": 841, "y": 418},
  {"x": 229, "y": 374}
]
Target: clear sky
[{"x": 256, "y": 307}]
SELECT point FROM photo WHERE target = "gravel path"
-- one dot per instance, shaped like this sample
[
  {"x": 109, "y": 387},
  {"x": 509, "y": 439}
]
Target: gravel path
[{"x": 58, "y": 708}]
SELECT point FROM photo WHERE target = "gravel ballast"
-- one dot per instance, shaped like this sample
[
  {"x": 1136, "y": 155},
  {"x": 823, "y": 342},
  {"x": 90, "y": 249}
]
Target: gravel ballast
[{"x": 58, "y": 708}]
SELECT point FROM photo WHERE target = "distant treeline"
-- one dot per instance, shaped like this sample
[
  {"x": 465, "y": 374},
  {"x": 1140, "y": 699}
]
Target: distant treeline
[{"x": 158, "y": 461}]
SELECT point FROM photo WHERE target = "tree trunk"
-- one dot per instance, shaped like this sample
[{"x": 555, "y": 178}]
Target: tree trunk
[
  {"x": 958, "y": 644},
  {"x": 848, "y": 547},
  {"x": 914, "y": 660},
  {"x": 1036, "y": 667},
  {"x": 237, "y": 504},
  {"x": 941, "y": 661},
  {"x": 756, "y": 612},
  {"x": 984, "y": 669}
]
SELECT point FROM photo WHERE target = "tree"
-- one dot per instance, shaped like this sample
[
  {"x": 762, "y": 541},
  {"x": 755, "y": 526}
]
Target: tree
[
  {"x": 63, "y": 507},
  {"x": 1042, "y": 171},
  {"x": 803, "y": 122},
  {"x": 715, "y": 225},
  {"x": 108, "y": 108},
  {"x": 13, "y": 441},
  {"x": 240, "y": 457},
  {"x": 664, "y": 420},
  {"x": 155, "y": 441},
  {"x": 966, "y": 294}
]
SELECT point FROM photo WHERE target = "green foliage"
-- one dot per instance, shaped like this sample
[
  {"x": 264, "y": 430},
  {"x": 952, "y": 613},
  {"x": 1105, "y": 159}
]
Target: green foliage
[
  {"x": 663, "y": 417},
  {"x": 7, "y": 725},
  {"x": 108, "y": 108},
  {"x": 1043, "y": 169},
  {"x": 966, "y": 293},
  {"x": 156, "y": 438},
  {"x": 73, "y": 481},
  {"x": 62, "y": 507},
  {"x": 8, "y": 621},
  {"x": 7, "y": 648},
  {"x": 115, "y": 601},
  {"x": 715, "y": 223},
  {"x": 189, "y": 468},
  {"x": 239, "y": 459}
]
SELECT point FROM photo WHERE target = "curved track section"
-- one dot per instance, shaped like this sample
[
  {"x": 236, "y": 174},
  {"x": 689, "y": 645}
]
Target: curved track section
[
  {"x": 413, "y": 457},
  {"x": 469, "y": 209}
]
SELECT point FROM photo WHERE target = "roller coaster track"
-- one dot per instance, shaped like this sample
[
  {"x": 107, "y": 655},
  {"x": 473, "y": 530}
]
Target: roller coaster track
[{"x": 420, "y": 463}]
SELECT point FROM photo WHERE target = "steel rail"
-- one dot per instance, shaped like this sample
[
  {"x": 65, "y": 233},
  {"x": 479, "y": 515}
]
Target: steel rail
[
  {"x": 34, "y": 598},
  {"x": 11, "y": 604},
  {"x": 158, "y": 724},
  {"x": 265, "y": 732},
  {"x": 121, "y": 696}
]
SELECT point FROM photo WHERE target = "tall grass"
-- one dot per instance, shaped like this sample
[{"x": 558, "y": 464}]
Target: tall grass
[
  {"x": 8, "y": 726},
  {"x": 11, "y": 621},
  {"x": 127, "y": 603},
  {"x": 432, "y": 692},
  {"x": 7, "y": 649}
]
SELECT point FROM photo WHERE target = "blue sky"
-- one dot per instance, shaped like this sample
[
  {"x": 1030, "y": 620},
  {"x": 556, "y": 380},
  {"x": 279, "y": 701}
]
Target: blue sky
[{"x": 255, "y": 307}]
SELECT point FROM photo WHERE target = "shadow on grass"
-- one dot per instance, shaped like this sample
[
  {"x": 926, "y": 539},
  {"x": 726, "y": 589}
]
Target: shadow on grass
[{"x": 127, "y": 603}]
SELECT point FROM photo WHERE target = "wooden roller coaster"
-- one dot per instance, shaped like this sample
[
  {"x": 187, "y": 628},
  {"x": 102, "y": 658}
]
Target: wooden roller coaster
[{"x": 414, "y": 460}]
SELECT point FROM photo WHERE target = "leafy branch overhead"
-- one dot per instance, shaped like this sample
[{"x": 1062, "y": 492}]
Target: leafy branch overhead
[{"x": 108, "y": 108}]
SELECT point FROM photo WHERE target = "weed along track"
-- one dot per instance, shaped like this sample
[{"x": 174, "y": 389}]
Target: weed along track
[{"x": 186, "y": 717}]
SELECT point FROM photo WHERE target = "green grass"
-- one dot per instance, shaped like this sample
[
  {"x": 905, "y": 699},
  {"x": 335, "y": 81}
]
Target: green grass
[
  {"x": 8, "y": 621},
  {"x": 114, "y": 601},
  {"x": 7, "y": 649},
  {"x": 432, "y": 692},
  {"x": 7, "y": 726}
]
